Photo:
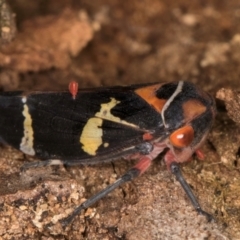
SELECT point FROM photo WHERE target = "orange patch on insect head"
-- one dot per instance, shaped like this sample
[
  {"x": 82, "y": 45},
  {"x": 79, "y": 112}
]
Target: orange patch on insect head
[
  {"x": 192, "y": 109},
  {"x": 149, "y": 95},
  {"x": 182, "y": 137}
]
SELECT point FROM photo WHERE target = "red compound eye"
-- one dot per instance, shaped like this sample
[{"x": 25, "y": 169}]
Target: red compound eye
[{"x": 182, "y": 137}]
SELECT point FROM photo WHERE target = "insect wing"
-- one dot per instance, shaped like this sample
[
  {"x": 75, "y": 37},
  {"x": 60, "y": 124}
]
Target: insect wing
[{"x": 100, "y": 123}]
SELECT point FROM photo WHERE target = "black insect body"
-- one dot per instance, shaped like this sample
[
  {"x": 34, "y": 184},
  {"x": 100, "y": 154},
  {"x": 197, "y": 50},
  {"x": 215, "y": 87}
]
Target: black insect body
[{"x": 102, "y": 124}]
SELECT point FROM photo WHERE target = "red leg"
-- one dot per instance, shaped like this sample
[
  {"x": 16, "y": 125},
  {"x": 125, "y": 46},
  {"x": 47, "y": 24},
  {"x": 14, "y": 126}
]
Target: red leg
[
  {"x": 143, "y": 164},
  {"x": 200, "y": 154},
  {"x": 169, "y": 158}
]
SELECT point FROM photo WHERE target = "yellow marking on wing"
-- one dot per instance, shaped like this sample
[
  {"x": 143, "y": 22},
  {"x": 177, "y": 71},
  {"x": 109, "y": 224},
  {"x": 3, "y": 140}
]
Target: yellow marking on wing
[
  {"x": 91, "y": 137},
  {"x": 26, "y": 144},
  {"x": 105, "y": 113}
]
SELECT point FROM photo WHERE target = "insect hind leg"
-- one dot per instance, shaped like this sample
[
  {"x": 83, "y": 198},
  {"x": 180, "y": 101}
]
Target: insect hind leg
[{"x": 44, "y": 163}]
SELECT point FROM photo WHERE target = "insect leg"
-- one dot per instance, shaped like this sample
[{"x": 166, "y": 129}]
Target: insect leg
[
  {"x": 41, "y": 164},
  {"x": 200, "y": 154},
  {"x": 175, "y": 169},
  {"x": 134, "y": 172}
]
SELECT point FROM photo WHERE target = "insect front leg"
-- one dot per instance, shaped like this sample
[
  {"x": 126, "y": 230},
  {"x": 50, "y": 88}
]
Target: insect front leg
[{"x": 174, "y": 167}]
